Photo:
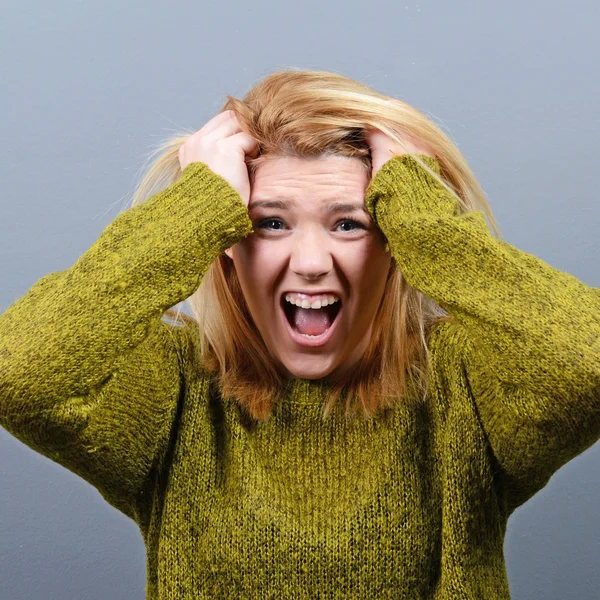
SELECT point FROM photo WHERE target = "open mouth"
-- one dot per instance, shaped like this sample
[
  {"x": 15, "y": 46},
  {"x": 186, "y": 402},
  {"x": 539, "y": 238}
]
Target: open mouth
[
  {"x": 324, "y": 324},
  {"x": 331, "y": 313}
]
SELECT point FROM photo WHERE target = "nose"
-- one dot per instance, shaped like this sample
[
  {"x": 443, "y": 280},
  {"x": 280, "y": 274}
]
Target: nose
[{"x": 311, "y": 256}]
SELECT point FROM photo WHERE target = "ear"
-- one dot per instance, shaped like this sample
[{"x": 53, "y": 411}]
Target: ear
[{"x": 229, "y": 253}]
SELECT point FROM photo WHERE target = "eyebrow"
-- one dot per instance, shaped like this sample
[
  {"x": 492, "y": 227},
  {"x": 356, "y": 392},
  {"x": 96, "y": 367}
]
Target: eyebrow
[{"x": 331, "y": 207}]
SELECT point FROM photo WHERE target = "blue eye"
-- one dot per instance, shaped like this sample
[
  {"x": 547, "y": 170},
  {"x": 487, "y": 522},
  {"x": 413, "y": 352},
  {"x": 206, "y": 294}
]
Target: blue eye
[{"x": 356, "y": 224}]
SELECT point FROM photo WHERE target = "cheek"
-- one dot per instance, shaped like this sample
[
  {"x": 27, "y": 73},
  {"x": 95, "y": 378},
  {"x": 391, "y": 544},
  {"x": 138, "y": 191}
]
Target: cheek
[
  {"x": 255, "y": 265},
  {"x": 373, "y": 263},
  {"x": 257, "y": 257},
  {"x": 372, "y": 279},
  {"x": 251, "y": 252}
]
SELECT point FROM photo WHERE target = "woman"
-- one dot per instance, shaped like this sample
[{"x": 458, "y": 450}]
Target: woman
[{"x": 366, "y": 392}]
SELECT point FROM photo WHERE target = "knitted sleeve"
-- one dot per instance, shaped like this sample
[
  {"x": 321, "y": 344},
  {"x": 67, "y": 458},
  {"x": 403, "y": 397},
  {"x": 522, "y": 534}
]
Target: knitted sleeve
[
  {"x": 89, "y": 373},
  {"x": 532, "y": 332}
]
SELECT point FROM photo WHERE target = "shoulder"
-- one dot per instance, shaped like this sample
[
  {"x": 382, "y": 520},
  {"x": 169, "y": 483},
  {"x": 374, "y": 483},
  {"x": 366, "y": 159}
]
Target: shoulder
[
  {"x": 184, "y": 337},
  {"x": 450, "y": 347}
]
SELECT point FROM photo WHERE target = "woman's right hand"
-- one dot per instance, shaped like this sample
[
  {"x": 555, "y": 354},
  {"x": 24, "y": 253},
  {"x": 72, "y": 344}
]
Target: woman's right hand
[{"x": 223, "y": 147}]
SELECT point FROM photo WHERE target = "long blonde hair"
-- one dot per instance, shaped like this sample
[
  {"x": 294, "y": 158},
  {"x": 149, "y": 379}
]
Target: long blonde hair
[{"x": 309, "y": 113}]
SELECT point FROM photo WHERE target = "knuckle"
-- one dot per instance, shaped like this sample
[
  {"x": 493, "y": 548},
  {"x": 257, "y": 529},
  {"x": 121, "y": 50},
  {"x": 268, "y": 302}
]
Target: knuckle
[
  {"x": 222, "y": 144},
  {"x": 203, "y": 145}
]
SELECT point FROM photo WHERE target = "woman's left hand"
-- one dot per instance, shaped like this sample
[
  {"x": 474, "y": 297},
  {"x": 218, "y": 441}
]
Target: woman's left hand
[{"x": 383, "y": 148}]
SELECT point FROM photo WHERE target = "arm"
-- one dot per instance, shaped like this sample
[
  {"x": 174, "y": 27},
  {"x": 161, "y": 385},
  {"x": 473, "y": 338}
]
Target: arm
[
  {"x": 89, "y": 374},
  {"x": 531, "y": 333}
]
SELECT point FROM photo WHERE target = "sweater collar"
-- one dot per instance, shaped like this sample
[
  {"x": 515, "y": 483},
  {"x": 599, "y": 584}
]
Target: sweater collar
[
  {"x": 306, "y": 391},
  {"x": 303, "y": 402}
]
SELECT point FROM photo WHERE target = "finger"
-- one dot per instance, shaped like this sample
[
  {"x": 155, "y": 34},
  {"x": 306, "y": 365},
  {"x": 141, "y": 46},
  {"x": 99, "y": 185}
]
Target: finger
[
  {"x": 226, "y": 129},
  {"x": 246, "y": 142},
  {"x": 215, "y": 122},
  {"x": 375, "y": 137}
]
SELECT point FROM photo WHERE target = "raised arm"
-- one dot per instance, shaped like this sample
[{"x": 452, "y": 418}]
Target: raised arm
[
  {"x": 89, "y": 374},
  {"x": 531, "y": 332}
]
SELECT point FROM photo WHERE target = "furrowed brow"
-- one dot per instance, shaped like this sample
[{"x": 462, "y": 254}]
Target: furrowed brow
[{"x": 331, "y": 207}]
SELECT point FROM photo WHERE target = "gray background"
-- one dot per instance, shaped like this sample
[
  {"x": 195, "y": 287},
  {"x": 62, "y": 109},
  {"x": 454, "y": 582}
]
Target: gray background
[{"x": 88, "y": 89}]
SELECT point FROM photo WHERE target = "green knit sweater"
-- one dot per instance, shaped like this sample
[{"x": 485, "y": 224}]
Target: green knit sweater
[{"x": 411, "y": 504}]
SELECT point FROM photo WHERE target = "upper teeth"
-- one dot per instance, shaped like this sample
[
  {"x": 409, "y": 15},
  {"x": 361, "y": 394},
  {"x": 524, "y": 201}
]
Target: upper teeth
[{"x": 304, "y": 303}]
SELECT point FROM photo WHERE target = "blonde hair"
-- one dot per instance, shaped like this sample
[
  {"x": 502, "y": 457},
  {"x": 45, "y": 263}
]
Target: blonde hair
[{"x": 307, "y": 113}]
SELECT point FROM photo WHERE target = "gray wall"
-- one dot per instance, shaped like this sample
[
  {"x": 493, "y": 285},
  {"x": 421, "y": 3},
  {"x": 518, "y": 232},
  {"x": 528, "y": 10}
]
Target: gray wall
[{"x": 89, "y": 88}]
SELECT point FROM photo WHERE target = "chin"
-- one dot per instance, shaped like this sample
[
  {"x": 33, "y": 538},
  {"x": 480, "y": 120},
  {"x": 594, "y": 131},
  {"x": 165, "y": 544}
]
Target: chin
[{"x": 307, "y": 371}]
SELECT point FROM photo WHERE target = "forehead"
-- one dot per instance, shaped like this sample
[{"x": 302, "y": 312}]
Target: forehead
[{"x": 322, "y": 178}]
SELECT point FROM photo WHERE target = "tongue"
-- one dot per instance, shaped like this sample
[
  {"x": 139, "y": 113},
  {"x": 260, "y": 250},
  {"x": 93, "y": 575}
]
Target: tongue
[{"x": 311, "y": 321}]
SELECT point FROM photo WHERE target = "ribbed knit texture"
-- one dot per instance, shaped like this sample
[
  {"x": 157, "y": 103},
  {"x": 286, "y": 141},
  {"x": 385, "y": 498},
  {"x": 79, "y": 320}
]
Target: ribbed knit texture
[{"x": 412, "y": 504}]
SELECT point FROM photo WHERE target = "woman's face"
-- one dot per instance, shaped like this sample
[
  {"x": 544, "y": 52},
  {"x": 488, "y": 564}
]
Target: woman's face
[{"x": 309, "y": 247}]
